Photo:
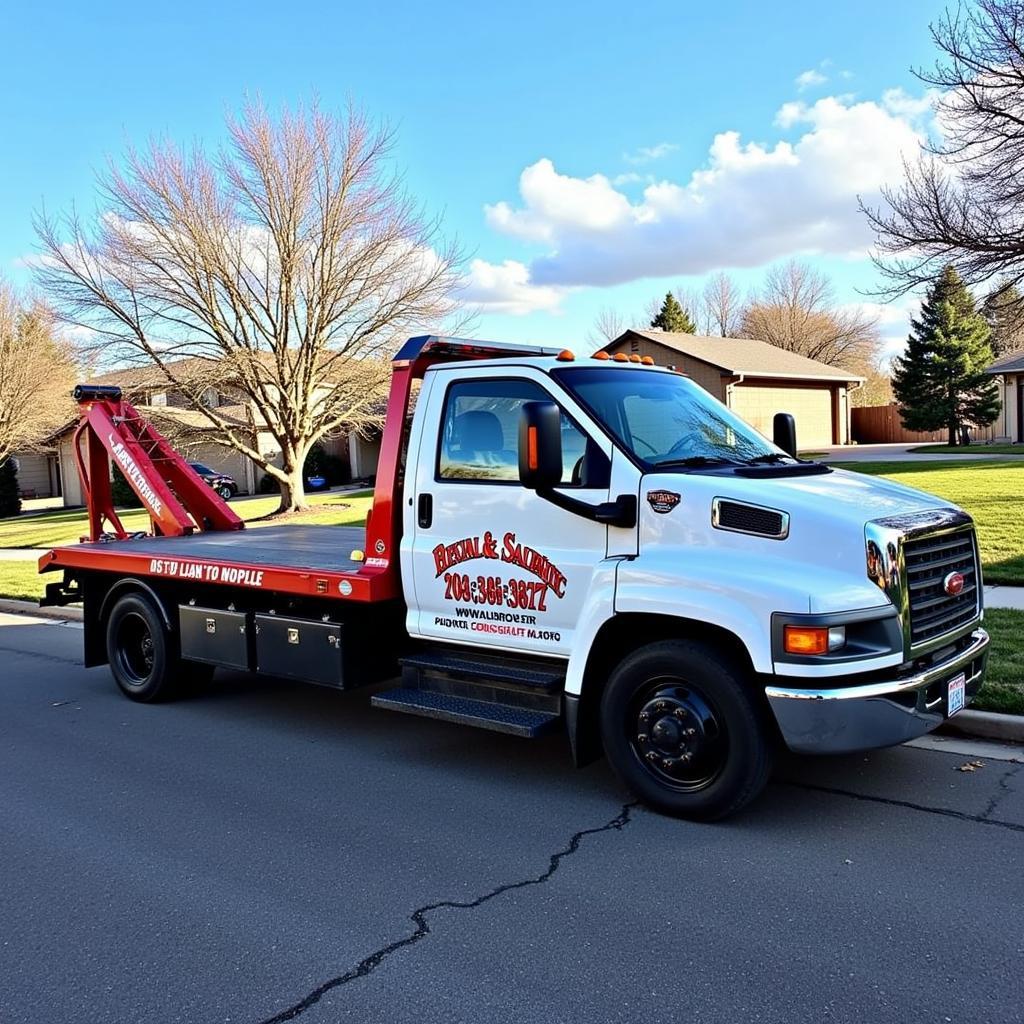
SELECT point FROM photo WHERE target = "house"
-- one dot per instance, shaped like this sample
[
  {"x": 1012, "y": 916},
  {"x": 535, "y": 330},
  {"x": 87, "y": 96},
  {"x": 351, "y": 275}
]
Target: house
[
  {"x": 756, "y": 380},
  {"x": 1010, "y": 371},
  {"x": 194, "y": 435}
]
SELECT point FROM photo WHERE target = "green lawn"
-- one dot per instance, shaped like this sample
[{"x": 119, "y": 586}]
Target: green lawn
[
  {"x": 1004, "y": 684},
  {"x": 974, "y": 449},
  {"x": 21, "y": 581},
  {"x": 66, "y": 526},
  {"x": 992, "y": 492}
]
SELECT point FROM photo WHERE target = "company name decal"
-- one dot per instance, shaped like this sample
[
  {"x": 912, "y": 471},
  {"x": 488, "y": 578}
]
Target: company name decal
[
  {"x": 663, "y": 501},
  {"x": 446, "y": 556},
  {"x": 206, "y": 572},
  {"x": 135, "y": 475}
]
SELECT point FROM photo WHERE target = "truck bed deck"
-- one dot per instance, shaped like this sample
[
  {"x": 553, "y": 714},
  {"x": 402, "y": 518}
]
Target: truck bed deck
[{"x": 312, "y": 560}]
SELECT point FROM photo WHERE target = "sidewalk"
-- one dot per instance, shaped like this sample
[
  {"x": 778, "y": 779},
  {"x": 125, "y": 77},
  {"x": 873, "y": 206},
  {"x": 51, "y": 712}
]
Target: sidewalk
[
  {"x": 1004, "y": 597},
  {"x": 902, "y": 453}
]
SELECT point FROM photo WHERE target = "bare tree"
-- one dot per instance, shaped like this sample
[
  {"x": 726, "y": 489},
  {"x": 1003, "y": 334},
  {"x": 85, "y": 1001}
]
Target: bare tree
[
  {"x": 961, "y": 200},
  {"x": 796, "y": 310},
  {"x": 610, "y": 323},
  {"x": 37, "y": 372},
  {"x": 284, "y": 265},
  {"x": 722, "y": 306}
]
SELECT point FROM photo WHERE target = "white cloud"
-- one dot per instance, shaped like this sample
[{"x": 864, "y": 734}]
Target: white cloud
[
  {"x": 749, "y": 203},
  {"x": 506, "y": 288},
  {"x": 902, "y": 104},
  {"x": 809, "y": 78},
  {"x": 648, "y": 154}
]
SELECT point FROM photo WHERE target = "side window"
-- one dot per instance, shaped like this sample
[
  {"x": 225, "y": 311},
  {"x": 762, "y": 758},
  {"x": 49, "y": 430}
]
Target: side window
[{"x": 480, "y": 432}]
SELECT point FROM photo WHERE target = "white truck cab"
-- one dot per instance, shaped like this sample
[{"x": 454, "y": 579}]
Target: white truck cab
[{"x": 775, "y": 595}]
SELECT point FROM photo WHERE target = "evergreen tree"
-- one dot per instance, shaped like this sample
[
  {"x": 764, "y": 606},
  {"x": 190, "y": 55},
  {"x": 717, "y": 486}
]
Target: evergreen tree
[
  {"x": 1003, "y": 310},
  {"x": 672, "y": 317},
  {"x": 940, "y": 381},
  {"x": 10, "y": 501}
]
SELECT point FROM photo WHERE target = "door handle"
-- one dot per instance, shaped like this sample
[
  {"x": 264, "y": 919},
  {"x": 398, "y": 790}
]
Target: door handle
[{"x": 425, "y": 511}]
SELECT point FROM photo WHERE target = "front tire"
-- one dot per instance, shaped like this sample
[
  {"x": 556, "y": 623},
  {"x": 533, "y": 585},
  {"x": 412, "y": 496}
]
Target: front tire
[
  {"x": 226, "y": 491},
  {"x": 683, "y": 731},
  {"x": 143, "y": 657}
]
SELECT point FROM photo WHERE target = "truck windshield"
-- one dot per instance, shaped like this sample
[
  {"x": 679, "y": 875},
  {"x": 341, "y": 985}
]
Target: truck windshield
[{"x": 666, "y": 419}]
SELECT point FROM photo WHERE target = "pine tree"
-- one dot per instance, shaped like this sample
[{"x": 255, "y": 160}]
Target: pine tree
[
  {"x": 940, "y": 381},
  {"x": 672, "y": 317},
  {"x": 10, "y": 501},
  {"x": 1003, "y": 310}
]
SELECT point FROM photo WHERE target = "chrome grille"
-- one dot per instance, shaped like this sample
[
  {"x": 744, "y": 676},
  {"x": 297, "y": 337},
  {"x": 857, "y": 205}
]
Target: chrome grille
[{"x": 928, "y": 560}]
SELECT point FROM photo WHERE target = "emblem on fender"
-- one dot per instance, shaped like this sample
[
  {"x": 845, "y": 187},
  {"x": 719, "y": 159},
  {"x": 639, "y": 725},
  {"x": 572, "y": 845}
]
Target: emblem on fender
[
  {"x": 662, "y": 501},
  {"x": 953, "y": 584}
]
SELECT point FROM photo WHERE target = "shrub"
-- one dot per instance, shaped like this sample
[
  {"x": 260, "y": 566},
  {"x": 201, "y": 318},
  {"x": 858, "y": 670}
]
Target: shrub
[
  {"x": 268, "y": 485},
  {"x": 10, "y": 501},
  {"x": 121, "y": 491}
]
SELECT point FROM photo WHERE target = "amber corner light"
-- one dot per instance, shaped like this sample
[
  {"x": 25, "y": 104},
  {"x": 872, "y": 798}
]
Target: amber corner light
[
  {"x": 805, "y": 639},
  {"x": 566, "y": 356},
  {"x": 601, "y": 355}
]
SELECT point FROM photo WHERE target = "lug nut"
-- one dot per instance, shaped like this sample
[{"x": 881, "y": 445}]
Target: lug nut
[
  {"x": 661, "y": 705},
  {"x": 642, "y": 737},
  {"x": 687, "y": 756},
  {"x": 652, "y": 756},
  {"x": 667, "y": 763},
  {"x": 679, "y": 712},
  {"x": 689, "y": 732}
]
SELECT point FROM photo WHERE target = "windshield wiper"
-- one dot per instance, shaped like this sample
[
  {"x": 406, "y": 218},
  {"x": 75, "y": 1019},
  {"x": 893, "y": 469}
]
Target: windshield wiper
[
  {"x": 769, "y": 458},
  {"x": 694, "y": 461}
]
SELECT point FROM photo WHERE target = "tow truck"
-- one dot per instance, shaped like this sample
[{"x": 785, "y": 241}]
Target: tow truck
[{"x": 592, "y": 545}]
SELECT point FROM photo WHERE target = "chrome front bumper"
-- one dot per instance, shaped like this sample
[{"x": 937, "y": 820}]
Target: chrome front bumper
[{"x": 877, "y": 714}]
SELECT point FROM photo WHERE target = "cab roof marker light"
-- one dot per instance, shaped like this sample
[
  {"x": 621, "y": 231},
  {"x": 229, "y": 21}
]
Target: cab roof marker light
[
  {"x": 566, "y": 356},
  {"x": 647, "y": 360},
  {"x": 601, "y": 355},
  {"x": 634, "y": 358},
  {"x": 620, "y": 357}
]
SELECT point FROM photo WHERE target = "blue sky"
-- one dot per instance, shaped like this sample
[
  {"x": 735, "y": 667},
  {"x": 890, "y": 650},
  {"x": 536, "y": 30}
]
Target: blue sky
[{"x": 571, "y": 148}]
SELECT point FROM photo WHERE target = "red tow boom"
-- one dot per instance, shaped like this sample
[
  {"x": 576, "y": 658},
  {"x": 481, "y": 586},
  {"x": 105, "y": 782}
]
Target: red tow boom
[{"x": 179, "y": 502}]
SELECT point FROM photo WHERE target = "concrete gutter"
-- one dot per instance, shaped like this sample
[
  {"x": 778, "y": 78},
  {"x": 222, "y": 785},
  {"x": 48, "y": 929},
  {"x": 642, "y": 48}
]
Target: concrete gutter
[{"x": 66, "y": 614}]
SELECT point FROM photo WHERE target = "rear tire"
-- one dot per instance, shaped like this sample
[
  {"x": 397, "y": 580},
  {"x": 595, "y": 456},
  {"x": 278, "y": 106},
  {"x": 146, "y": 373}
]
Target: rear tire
[
  {"x": 683, "y": 731},
  {"x": 142, "y": 654}
]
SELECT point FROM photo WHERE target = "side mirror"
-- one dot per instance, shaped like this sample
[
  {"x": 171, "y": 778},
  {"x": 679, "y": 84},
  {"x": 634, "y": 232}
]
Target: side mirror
[
  {"x": 784, "y": 432},
  {"x": 540, "y": 445}
]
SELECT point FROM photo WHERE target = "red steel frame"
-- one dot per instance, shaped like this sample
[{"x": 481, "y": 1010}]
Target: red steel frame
[{"x": 377, "y": 578}]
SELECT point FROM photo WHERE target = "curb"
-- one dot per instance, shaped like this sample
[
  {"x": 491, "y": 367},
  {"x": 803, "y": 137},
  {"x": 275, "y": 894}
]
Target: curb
[
  {"x": 66, "y": 614},
  {"x": 985, "y": 725}
]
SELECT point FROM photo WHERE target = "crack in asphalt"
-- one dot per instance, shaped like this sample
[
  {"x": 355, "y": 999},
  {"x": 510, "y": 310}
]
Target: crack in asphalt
[
  {"x": 979, "y": 819},
  {"x": 1005, "y": 790},
  {"x": 370, "y": 963},
  {"x": 77, "y": 662}
]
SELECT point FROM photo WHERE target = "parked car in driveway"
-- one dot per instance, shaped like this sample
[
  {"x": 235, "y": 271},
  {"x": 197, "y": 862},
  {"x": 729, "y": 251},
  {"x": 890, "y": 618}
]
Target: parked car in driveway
[{"x": 223, "y": 484}]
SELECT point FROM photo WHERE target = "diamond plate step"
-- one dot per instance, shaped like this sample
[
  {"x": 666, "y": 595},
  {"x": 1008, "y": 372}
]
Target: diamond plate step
[{"x": 515, "y": 721}]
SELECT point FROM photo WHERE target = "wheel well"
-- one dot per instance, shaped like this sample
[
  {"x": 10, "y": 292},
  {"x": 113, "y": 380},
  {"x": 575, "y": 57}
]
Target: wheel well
[
  {"x": 101, "y": 593},
  {"x": 621, "y": 635}
]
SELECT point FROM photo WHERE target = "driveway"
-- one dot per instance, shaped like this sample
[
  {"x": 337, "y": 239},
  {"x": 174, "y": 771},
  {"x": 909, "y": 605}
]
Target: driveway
[
  {"x": 264, "y": 852},
  {"x": 902, "y": 453}
]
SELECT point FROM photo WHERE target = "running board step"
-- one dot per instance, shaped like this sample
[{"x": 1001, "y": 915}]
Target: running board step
[
  {"x": 487, "y": 668},
  {"x": 516, "y": 721}
]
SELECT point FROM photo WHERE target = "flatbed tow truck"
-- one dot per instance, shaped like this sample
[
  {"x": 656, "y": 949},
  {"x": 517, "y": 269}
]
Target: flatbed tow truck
[{"x": 593, "y": 545}]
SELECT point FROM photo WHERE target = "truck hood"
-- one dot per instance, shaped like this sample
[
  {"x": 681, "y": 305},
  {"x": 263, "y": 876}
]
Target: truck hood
[{"x": 824, "y": 552}]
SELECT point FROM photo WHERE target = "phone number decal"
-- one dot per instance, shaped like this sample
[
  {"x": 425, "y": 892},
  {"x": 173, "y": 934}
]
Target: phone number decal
[{"x": 493, "y": 590}]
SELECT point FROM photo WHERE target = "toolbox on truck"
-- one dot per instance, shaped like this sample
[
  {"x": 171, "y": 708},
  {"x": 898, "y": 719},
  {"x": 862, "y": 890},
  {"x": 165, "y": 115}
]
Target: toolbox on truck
[
  {"x": 299, "y": 649},
  {"x": 214, "y": 637}
]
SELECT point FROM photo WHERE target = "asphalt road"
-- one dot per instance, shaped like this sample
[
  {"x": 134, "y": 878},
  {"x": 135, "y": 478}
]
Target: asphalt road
[{"x": 268, "y": 853}]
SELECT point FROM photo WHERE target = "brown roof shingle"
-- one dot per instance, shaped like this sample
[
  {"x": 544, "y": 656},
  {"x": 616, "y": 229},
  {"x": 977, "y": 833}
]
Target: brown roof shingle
[{"x": 743, "y": 355}]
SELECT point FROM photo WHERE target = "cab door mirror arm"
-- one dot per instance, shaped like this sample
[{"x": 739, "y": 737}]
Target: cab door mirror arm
[{"x": 540, "y": 467}]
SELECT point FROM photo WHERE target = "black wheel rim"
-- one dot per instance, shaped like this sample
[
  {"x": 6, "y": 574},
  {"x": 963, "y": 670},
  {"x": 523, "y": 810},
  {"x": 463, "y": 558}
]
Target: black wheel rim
[
  {"x": 136, "y": 650},
  {"x": 677, "y": 734}
]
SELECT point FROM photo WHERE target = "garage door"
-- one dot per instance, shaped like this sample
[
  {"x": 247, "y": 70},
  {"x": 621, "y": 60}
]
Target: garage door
[{"x": 810, "y": 407}]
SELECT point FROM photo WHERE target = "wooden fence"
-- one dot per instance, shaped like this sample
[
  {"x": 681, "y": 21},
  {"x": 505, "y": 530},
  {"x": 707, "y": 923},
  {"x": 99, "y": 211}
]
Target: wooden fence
[{"x": 880, "y": 424}]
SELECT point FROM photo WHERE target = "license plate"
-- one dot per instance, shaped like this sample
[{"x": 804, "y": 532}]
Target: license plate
[{"x": 955, "y": 700}]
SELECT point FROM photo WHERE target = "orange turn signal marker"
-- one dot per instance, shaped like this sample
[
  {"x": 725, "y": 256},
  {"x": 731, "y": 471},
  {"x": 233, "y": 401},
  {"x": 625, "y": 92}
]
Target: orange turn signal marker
[
  {"x": 566, "y": 356},
  {"x": 647, "y": 360},
  {"x": 601, "y": 355},
  {"x": 634, "y": 358},
  {"x": 620, "y": 357},
  {"x": 805, "y": 639},
  {"x": 531, "y": 451}
]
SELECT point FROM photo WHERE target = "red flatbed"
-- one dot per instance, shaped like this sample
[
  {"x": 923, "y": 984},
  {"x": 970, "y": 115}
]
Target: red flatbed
[{"x": 306, "y": 560}]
